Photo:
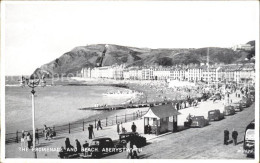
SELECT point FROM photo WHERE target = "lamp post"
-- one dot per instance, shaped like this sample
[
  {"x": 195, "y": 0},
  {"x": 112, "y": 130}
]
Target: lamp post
[{"x": 33, "y": 83}]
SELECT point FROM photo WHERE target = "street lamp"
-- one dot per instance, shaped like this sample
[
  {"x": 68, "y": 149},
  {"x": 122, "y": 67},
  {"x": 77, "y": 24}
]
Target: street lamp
[{"x": 33, "y": 83}]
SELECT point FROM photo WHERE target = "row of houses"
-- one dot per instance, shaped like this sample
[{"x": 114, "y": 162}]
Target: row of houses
[{"x": 239, "y": 73}]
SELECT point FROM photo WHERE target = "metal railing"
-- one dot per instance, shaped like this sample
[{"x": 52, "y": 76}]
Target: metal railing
[{"x": 77, "y": 126}]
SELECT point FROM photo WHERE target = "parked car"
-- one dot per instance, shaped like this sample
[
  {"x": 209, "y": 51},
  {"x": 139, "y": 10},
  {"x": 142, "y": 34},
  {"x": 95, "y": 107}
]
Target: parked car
[
  {"x": 139, "y": 140},
  {"x": 101, "y": 146},
  {"x": 237, "y": 106},
  {"x": 245, "y": 102},
  {"x": 199, "y": 121},
  {"x": 217, "y": 96},
  {"x": 229, "y": 110},
  {"x": 249, "y": 139},
  {"x": 215, "y": 115}
]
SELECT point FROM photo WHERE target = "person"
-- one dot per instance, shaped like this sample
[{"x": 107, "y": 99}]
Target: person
[
  {"x": 234, "y": 136},
  {"x": 134, "y": 152},
  {"x": 85, "y": 146},
  {"x": 92, "y": 130},
  {"x": 62, "y": 153},
  {"x": 78, "y": 146},
  {"x": 89, "y": 132},
  {"x": 37, "y": 136},
  {"x": 149, "y": 129},
  {"x": 68, "y": 146},
  {"x": 129, "y": 149},
  {"x": 48, "y": 133},
  {"x": 133, "y": 127},
  {"x": 23, "y": 139},
  {"x": 226, "y": 137},
  {"x": 118, "y": 127},
  {"x": 29, "y": 140},
  {"x": 99, "y": 124},
  {"x": 45, "y": 132}
]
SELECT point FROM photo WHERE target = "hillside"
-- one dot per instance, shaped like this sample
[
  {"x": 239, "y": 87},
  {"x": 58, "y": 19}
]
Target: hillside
[{"x": 106, "y": 55}]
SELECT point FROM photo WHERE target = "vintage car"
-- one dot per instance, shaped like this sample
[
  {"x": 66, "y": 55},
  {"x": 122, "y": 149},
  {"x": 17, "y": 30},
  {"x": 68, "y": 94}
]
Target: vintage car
[
  {"x": 215, "y": 115},
  {"x": 137, "y": 139},
  {"x": 249, "y": 140},
  {"x": 229, "y": 110},
  {"x": 100, "y": 146},
  {"x": 217, "y": 96},
  {"x": 237, "y": 106},
  {"x": 198, "y": 121},
  {"x": 245, "y": 102}
]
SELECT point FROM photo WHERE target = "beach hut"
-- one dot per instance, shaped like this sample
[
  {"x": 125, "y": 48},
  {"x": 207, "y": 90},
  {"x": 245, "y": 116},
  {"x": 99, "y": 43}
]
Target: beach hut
[{"x": 161, "y": 119}]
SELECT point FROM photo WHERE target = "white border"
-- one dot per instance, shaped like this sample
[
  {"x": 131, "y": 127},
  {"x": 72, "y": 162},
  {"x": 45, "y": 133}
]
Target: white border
[{"x": 109, "y": 160}]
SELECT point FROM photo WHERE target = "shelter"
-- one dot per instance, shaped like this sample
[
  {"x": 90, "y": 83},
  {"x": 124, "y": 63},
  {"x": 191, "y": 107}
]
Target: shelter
[{"x": 161, "y": 119}]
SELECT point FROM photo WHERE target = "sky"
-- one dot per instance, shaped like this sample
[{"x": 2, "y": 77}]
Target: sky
[{"x": 35, "y": 33}]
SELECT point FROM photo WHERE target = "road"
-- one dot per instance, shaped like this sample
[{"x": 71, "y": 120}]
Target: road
[{"x": 200, "y": 143}]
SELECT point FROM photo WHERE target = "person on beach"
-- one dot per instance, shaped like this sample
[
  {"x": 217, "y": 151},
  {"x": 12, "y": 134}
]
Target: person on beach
[
  {"x": 133, "y": 127},
  {"x": 23, "y": 139},
  {"x": 29, "y": 140},
  {"x": 99, "y": 124},
  {"x": 78, "y": 146},
  {"x": 226, "y": 137},
  {"x": 234, "y": 136}
]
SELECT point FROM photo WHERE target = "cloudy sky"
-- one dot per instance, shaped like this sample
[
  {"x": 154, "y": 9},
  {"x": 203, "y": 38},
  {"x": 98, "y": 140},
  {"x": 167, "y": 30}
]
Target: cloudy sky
[{"x": 35, "y": 33}]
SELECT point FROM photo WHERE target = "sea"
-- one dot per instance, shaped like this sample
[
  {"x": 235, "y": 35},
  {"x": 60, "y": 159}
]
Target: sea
[{"x": 57, "y": 103}]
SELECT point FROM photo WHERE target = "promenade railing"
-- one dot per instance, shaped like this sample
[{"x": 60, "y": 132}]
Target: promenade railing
[{"x": 77, "y": 126}]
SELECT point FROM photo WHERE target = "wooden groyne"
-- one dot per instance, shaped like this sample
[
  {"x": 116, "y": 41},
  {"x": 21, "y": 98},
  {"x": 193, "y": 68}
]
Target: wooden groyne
[{"x": 125, "y": 106}]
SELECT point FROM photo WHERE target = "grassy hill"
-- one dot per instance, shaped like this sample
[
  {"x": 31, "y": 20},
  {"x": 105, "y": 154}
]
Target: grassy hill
[{"x": 106, "y": 55}]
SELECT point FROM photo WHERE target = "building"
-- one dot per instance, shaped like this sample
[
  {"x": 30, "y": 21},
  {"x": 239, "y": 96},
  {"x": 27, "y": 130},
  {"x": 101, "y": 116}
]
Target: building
[
  {"x": 177, "y": 73},
  {"x": 245, "y": 74},
  {"x": 147, "y": 73},
  {"x": 161, "y": 73},
  {"x": 246, "y": 47},
  {"x": 162, "y": 119}
]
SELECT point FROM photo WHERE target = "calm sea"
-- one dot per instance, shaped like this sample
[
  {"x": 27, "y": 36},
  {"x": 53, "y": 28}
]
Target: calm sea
[{"x": 55, "y": 105}]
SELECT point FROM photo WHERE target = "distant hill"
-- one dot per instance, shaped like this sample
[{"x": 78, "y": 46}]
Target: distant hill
[{"x": 105, "y": 55}]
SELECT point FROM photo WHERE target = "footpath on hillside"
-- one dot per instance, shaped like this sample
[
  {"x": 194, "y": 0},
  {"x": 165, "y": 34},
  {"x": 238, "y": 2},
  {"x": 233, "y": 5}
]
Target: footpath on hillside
[{"x": 49, "y": 148}]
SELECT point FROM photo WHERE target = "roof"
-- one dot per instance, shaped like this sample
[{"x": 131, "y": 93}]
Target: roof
[
  {"x": 104, "y": 138},
  {"x": 161, "y": 111}
]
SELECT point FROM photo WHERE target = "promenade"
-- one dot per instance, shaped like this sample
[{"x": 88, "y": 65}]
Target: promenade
[{"x": 14, "y": 151}]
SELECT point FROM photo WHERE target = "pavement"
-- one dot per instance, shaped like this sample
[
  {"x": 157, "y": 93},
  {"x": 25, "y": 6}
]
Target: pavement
[{"x": 166, "y": 141}]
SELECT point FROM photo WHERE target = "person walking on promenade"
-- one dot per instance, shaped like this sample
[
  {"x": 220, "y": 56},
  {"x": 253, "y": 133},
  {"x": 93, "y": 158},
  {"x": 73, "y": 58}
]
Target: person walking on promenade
[
  {"x": 68, "y": 146},
  {"x": 78, "y": 146},
  {"x": 118, "y": 127},
  {"x": 129, "y": 149},
  {"x": 134, "y": 152},
  {"x": 133, "y": 127},
  {"x": 85, "y": 146},
  {"x": 37, "y": 136},
  {"x": 23, "y": 139},
  {"x": 226, "y": 136},
  {"x": 99, "y": 124},
  {"x": 29, "y": 140},
  {"x": 45, "y": 132},
  {"x": 89, "y": 132},
  {"x": 234, "y": 136},
  {"x": 92, "y": 131}
]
